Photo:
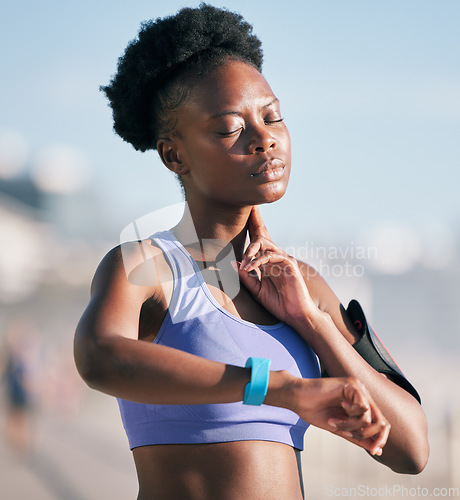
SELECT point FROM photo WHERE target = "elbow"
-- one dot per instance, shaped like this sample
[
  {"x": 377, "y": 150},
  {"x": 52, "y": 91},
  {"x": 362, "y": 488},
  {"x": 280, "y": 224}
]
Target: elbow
[
  {"x": 87, "y": 369},
  {"x": 406, "y": 462},
  {"x": 414, "y": 458},
  {"x": 102, "y": 364},
  {"x": 90, "y": 375},
  {"x": 416, "y": 445},
  {"x": 421, "y": 449},
  {"x": 413, "y": 465},
  {"x": 419, "y": 459},
  {"x": 408, "y": 451},
  {"x": 89, "y": 364}
]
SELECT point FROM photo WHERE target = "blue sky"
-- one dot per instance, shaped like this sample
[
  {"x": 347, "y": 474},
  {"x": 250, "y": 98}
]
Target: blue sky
[{"x": 370, "y": 91}]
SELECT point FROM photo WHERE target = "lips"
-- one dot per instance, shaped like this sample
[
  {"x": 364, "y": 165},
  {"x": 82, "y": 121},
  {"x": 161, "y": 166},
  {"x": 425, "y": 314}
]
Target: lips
[{"x": 272, "y": 165}]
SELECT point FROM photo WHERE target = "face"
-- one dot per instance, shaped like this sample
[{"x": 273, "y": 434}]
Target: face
[{"x": 232, "y": 145}]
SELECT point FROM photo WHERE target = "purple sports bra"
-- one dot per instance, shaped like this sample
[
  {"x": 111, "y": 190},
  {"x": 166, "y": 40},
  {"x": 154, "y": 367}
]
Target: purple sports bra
[{"x": 196, "y": 323}]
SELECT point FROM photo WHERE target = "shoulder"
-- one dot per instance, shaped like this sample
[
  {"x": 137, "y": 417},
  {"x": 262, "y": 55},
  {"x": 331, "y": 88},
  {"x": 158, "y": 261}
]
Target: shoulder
[
  {"x": 139, "y": 264},
  {"x": 128, "y": 278}
]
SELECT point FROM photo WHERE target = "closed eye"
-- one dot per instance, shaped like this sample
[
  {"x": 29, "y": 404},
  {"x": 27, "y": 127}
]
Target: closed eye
[
  {"x": 229, "y": 134},
  {"x": 270, "y": 122}
]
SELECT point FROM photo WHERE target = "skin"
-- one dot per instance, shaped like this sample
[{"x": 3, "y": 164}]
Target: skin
[{"x": 226, "y": 131}]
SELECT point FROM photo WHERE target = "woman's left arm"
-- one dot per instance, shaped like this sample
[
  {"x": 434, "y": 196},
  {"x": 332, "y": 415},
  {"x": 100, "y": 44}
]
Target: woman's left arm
[
  {"x": 303, "y": 299},
  {"x": 407, "y": 448}
]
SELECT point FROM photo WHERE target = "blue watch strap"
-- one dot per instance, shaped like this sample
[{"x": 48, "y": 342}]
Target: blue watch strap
[{"x": 256, "y": 389}]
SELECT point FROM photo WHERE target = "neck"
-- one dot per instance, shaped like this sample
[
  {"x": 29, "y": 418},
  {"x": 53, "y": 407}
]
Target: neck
[{"x": 210, "y": 229}]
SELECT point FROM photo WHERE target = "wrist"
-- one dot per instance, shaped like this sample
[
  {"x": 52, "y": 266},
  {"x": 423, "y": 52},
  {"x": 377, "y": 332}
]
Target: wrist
[
  {"x": 282, "y": 390},
  {"x": 256, "y": 390},
  {"x": 310, "y": 324}
]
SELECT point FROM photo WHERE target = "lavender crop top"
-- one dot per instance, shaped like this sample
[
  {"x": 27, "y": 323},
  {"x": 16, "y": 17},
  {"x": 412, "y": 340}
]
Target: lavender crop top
[{"x": 196, "y": 323}]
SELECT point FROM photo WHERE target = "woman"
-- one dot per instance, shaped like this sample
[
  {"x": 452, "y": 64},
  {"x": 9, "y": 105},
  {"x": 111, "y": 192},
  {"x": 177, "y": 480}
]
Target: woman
[{"x": 170, "y": 341}]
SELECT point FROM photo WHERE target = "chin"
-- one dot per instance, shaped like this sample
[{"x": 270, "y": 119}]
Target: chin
[
  {"x": 274, "y": 192},
  {"x": 265, "y": 194}
]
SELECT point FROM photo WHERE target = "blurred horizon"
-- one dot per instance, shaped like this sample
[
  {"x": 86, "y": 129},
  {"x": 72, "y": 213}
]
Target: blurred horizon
[{"x": 370, "y": 93}]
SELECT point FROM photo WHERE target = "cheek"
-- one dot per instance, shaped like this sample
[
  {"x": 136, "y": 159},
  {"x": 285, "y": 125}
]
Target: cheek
[{"x": 212, "y": 171}]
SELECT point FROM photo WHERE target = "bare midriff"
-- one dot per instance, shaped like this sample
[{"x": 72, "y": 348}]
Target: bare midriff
[{"x": 225, "y": 471}]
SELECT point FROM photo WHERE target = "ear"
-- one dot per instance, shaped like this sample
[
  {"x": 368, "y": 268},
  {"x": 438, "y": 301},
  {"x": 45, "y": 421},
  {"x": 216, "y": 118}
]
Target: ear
[{"x": 171, "y": 156}]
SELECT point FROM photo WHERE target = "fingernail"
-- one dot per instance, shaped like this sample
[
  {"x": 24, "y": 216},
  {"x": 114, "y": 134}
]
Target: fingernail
[{"x": 333, "y": 424}]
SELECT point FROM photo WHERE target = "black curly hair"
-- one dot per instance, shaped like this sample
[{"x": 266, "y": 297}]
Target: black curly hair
[{"x": 157, "y": 70}]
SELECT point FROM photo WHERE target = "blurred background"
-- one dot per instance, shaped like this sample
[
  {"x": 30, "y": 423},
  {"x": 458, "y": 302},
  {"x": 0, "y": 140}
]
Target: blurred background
[{"x": 371, "y": 94}]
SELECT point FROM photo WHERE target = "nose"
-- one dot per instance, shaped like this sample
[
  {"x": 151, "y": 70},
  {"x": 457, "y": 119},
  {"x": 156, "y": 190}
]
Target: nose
[{"x": 261, "y": 140}]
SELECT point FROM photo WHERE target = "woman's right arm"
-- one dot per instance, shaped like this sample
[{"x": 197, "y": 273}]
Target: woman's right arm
[{"x": 111, "y": 358}]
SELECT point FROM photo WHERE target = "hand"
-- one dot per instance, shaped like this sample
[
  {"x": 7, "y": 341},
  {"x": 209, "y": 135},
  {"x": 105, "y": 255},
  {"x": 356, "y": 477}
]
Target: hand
[
  {"x": 344, "y": 407},
  {"x": 273, "y": 277}
]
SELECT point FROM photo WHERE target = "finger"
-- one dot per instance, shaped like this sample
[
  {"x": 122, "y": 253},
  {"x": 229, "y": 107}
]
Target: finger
[
  {"x": 264, "y": 259},
  {"x": 377, "y": 431},
  {"x": 235, "y": 264},
  {"x": 262, "y": 247},
  {"x": 380, "y": 440},
  {"x": 366, "y": 444},
  {"x": 251, "y": 251},
  {"x": 371, "y": 436},
  {"x": 356, "y": 397},
  {"x": 355, "y": 425},
  {"x": 381, "y": 437},
  {"x": 360, "y": 431},
  {"x": 256, "y": 225},
  {"x": 373, "y": 446},
  {"x": 251, "y": 281},
  {"x": 258, "y": 235},
  {"x": 360, "y": 409}
]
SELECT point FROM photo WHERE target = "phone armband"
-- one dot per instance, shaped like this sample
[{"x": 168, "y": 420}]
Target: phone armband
[{"x": 371, "y": 348}]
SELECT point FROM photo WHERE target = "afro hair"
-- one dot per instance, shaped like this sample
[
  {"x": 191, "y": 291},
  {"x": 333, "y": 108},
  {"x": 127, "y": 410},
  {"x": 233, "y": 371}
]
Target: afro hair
[{"x": 150, "y": 77}]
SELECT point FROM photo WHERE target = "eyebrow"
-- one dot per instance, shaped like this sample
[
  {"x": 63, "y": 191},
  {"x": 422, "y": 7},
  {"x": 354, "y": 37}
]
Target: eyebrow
[{"x": 227, "y": 112}]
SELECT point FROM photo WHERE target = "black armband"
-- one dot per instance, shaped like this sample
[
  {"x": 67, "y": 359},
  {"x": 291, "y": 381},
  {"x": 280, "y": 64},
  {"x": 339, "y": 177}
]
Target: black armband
[{"x": 371, "y": 349}]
